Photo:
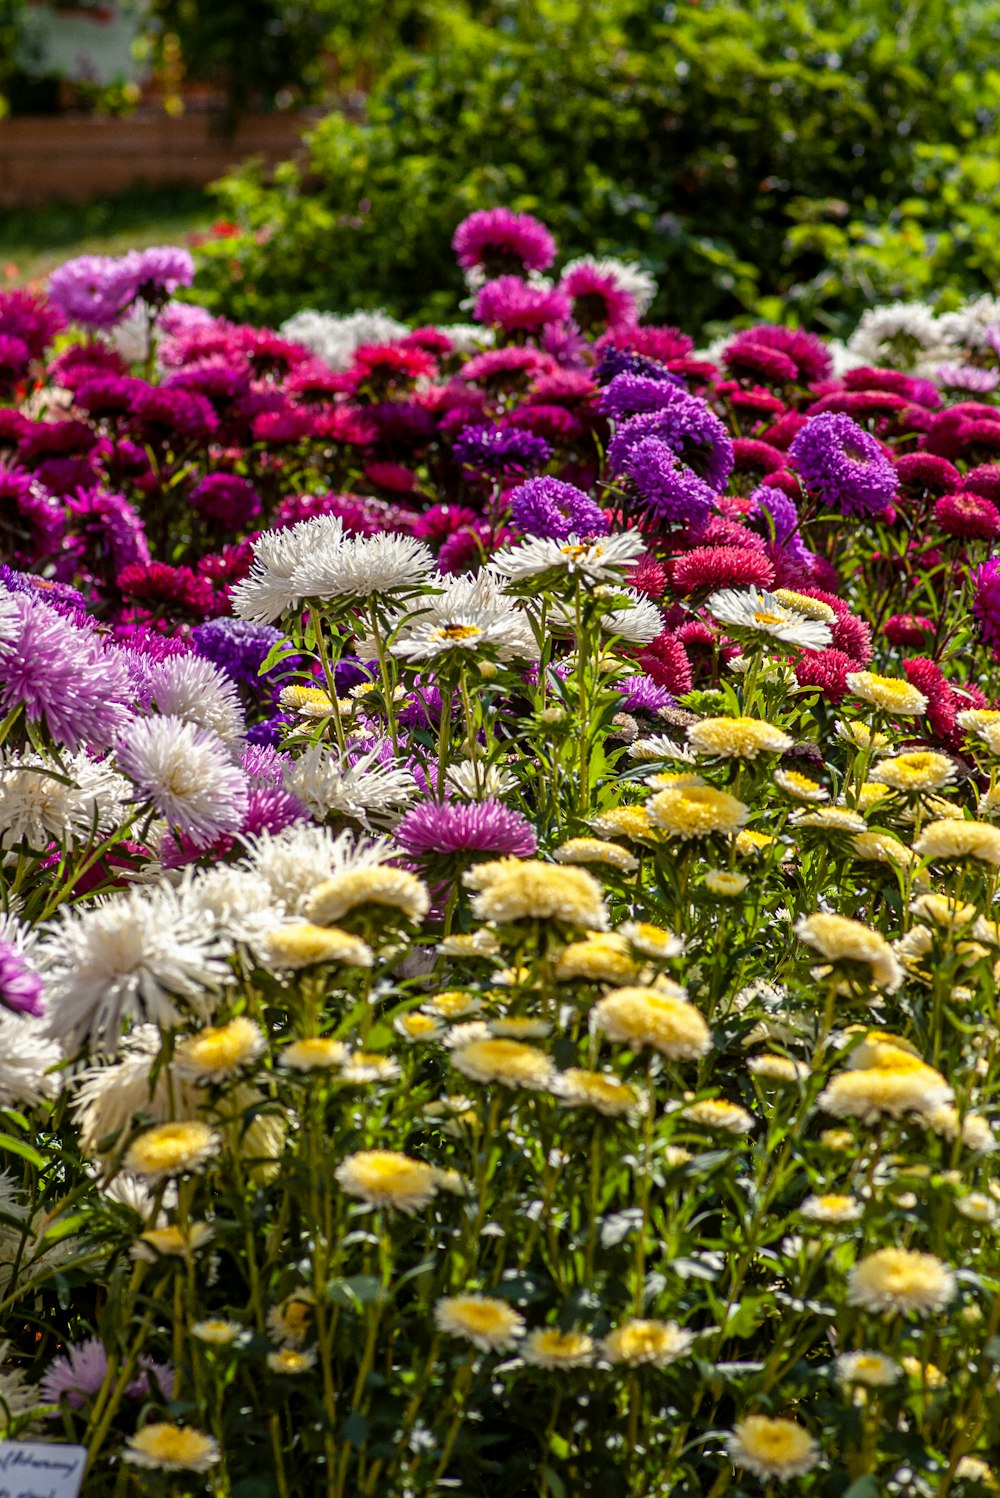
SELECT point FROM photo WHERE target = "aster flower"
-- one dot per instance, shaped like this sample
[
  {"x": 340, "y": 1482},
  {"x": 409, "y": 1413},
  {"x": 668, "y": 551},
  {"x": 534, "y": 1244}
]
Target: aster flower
[
  {"x": 761, "y": 614},
  {"x": 689, "y": 428},
  {"x": 500, "y": 240},
  {"x": 968, "y": 515},
  {"x": 190, "y": 688},
  {"x": 456, "y": 833},
  {"x": 387, "y": 1178},
  {"x": 338, "y": 568},
  {"x": 42, "y": 801},
  {"x": 93, "y": 290},
  {"x": 598, "y": 298},
  {"x": 516, "y": 306},
  {"x": 499, "y": 451},
  {"x": 509, "y": 891},
  {"x": 295, "y": 861},
  {"x": 772, "y": 1449},
  {"x": 468, "y": 618},
  {"x": 171, "y": 1448},
  {"x": 29, "y": 1058},
  {"x": 21, "y": 988},
  {"x": 227, "y": 499},
  {"x": 188, "y": 776},
  {"x": 270, "y": 590},
  {"x": 844, "y": 466},
  {"x": 638, "y": 284},
  {"x": 128, "y": 957},
  {"x": 985, "y": 601},
  {"x": 550, "y": 508},
  {"x": 361, "y": 787},
  {"x": 668, "y": 489},
  {"x": 597, "y": 561},
  {"x": 899, "y": 1280},
  {"x": 723, "y": 567},
  {"x": 239, "y": 647}
]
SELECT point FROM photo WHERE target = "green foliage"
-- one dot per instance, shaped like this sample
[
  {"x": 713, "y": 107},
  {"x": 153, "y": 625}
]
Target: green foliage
[{"x": 736, "y": 148}]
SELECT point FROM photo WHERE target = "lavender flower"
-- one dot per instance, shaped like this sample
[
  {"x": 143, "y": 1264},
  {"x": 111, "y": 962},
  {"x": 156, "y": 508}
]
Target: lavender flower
[
  {"x": 687, "y": 425},
  {"x": 843, "y": 465},
  {"x": 642, "y": 695},
  {"x": 548, "y": 507},
  {"x": 616, "y": 361},
  {"x": 79, "y": 1374},
  {"x": 495, "y": 451},
  {"x": 62, "y": 676},
  {"x": 629, "y": 394},
  {"x": 93, "y": 290},
  {"x": 21, "y": 988},
  {"x": 777, "y": 518},
  {"x": 668, "y": 489},
  {"x": 158, "y": 271},
  {"x": 240, "y": 647},
  {"x": 448, "y": 830}
]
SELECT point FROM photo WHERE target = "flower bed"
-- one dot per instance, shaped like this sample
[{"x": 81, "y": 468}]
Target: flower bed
[{"x": 500, "y": 845}]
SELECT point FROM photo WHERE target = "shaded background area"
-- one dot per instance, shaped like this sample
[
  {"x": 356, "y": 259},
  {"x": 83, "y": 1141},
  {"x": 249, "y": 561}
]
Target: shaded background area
[{"x": 762, "y": 157}]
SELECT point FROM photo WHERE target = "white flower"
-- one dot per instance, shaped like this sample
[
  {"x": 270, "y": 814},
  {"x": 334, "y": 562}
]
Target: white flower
[
  {"x": 873, "y": 1369},
  {"x": 27, "y": 1054},
  {"x": 128, "y": 958},
  {"x": 269, "y": 589},
  {"x": 106, "y": 1097},
  {"x": 187, "y": 774},
  {"x": 338, "y": 566},
  {"x": 235, "y": 902},
  {"x": 295, "y": 861},
  {"x": 189, "y": 687},
  {"x": 471, "y": 615},
  {"x": 600, "y": 561},
  {"x": 762, "y": 613},
  {"x": 897, "y": 334},
  {"x": 640, "y": 284},
  {"x": 42, "y": 801},
  {"x": 467, "y": 338},
  {"x": 639, "y": 622},
  {"x": 965, "y": 330},
  {"x": 334, "y": 338},
  {"x": 367, "y": 790},
  {"x": 469, "y": 780}
]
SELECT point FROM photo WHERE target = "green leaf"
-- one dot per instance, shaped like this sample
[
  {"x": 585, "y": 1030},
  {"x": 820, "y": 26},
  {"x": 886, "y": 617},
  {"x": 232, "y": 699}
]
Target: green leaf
[{"x": 23, "y": 1151}]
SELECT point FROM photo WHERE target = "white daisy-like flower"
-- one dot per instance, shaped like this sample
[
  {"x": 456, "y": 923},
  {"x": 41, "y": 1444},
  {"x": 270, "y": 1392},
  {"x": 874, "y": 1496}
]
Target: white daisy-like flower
[
  {"x": 128, "y": 958},
  {"x": 638, "y": 622},
  {"x": 27, "y": 1055},
  {"x": 362, "y": 567},
  {"x": 43, "y": 802},
  {"x": 237, "y": 903},
  {"x": 293, "y": 862},
  {"x": 469, "y": 616},
  {"x": 107, "y": 1096},
  {"x": 468, "y": 338},
  {"x": 757, "y": 612},
  {"x": 639, "y": 283},
  {"x": 192, "y": 688},
  {"x": 187, "y": 774},
  {"x": 369, "y": 791},
  {"x": 603, "y": 560},
  {"x": 657, "y": 746},
  {"x": 269, "y": 589},
  {"x": 471, "y": 781},
  {"x": 873, "y": 1369},
  {"x": 898, "y": 334},
  {"x": 334, "y": 338}
]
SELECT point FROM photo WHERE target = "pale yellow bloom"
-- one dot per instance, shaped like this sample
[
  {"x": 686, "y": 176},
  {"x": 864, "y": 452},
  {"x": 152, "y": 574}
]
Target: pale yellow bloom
[
  {"x": 511, "y": 890},
  {"x": 490, "y": 1324},
  {"x": 311, "y": 702},
  {"x": 605, "y": 957},
  {"x": 658, "y": 1017},
  {"x": 737, "y": 738},
  {"x": 303, "y": 945},
  {"x": 387, "y": 1178},
  {"x": 172, "y": 1242},
  {"x": 832, "y": 1207},
  {"x": 799, "y": 786},
  {"x": 600, "y": 1090},
  {"x": 416, "y": 1027},
  {"x": 955, "y": 839},
  {"x": 829, "y": 819},
  {"x": 813, "y": 608},
  {"x": 778, "y": 1068},
  {"x": 386, "y": 888},
  {"x": 900, "y": 1280},
  {"x": 657, "y": 1343},
  {"x": 888, "y": 693},
  {"x": 369, "y": 1066},
  {"x": 945, "y": 911},
  {"x": 508, "y": 1062},
  {"x": 873, "y": 1369},
  {"x": 217, "y": 1331},
  {"x": 547, "y": 1347},
  {"x": 748, "y": 842},
  {"x": 977, "y": 1207},
  {"x": 772, "y": 1448},
  {"x": 654, "y": 942},
  {"x": 481, "y": 943},
  {"x": 921, "y": 770},
  {"x": 171, "y": 1448},
  {"x": 870, "y": 1093},
  {"x": 453, "y": 1004},
  {"x": 718, "y": 1113},
  {"x": 839, "y": 939},
  {"x": 596, "y": 850},
  {"x": 289, "y": 1360},
  {"x": 632, "y": 822},
  {"x": 696, "y": 811},
  {"x": 317, "y": 1053},
  {"x": 220, "y": 1051},
  {"x": 172, "y": 1149},
  {"x": 725, "y": 883}
]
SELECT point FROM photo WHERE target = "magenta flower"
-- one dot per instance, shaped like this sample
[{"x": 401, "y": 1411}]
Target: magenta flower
[
  {"x": 517, "y": 306},
  {"x": 21, "y": 988},
  {"x": 502, "y": 241},
  {"x": 986, "y": 600},
  {"x": 434, "y": 832}
]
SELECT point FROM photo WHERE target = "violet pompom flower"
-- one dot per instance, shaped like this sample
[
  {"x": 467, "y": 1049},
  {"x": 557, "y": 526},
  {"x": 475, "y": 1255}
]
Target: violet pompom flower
[
  {"x": 21, "y": 988},
  {"x": 616, "y": 361},
  {"x": 668, "y": 489},
  {"x": 439, "y": 833},
  {"x": 549, "y": 507},
  {"x": 516, "y": 306},
  {"x": 986, "y": 600},
  {"x": 239, "y": 647},
  {"x": 93, "y": 290},
  {"x": 496, "y": 451},
  {"x": 158, "y": 271},
  {"x": 502, "y": 242},
  {"x": 777, "y": 519},
  {"x": 61, "y": 675},
  {"x": 642, "y": 695},
  {"x": 843, "y": 465},
  {"x": 80, "y": 1372},
  {"x": 629, "y": 394},
  {"x": 687, "y": 426}
]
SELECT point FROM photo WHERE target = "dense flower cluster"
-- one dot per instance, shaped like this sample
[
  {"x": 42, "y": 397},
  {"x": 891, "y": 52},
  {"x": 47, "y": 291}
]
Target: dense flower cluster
[{"x": 499, "y": 831}]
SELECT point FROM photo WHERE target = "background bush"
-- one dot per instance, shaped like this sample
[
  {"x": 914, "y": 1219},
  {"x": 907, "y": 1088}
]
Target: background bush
[{"x": 817, "y": 153}]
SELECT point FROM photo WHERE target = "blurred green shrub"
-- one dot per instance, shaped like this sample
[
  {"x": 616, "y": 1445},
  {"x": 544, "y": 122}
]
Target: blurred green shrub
[{"x": 748, "y": 151}]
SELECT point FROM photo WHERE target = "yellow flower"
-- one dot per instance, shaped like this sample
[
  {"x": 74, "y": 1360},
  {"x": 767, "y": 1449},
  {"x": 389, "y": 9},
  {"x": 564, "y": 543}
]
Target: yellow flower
[
  {"x": 973, "y": 1130},
  {"x": 600, "y": 1090},
  {"x": 888, "y": 693},
  {"x": 871, "y": 1093},
  {"x": 669, "y": 780},
  {"x": 832, "y": 1208},
  {"x": 632, "y": 822},
  {"x": 505, "y": 1061},
  {"x": 596, "y": 850},
  {"x": 976, "y": 718},
  {"x": 489, "y": 1324},
  {"x": 717, "y": 1113},
  {"x": 801, "y": 787},
  {"x": 387, "y": 1178},
  {"x": 547, "y": 1347},
  {"x": 696, "y": 811},
  {"x": 171, "y": 1242},
  {"x": 725, "y": 883},
  {"x": 171, "y": 1448},
  {"x": 873, "y": 1369},
  {"x": 837, "y": 1139},
  {"x": 927, "y": 1374},
  {"x": 658, "y": 1017},
  {"x": 921, "y": 770},
  {"x": 655, "y": 1342},
  {"x": 311, "y": 702},
  {"x": 860, "y": 735},
  {"x": 315, "y": 1054},
  {"x": 453, "y": 1004},
  {"x": 813, "y": 608},
  {"x": 368, "y": 1066},
  {"x": 769, "y": 1448},
  {"x": 172, "y": 1149},
  {"x": 303, "y": 945},
  {"x": 604, "y": 957},
  {"x": 881, "y": 847},
  {"x": 383, "y": 887},
  {"x": 520, "y": 1027},
  {"x": 900, "y": 1279},
  {"x": 654, "y": 942},
  {"x": 841, "y": 940},
  {"x": 737, "y": 738},
  {"x": 951, "y": 839},
  {"x": 218, "y": 1052},
  {"x": 944, "y": 911},
  {"x": 829, "y": 819},
  {"x": 778, "y": 1068},
  {"x": 883, "y": 1048},
  {"x": 870, "y": 794},
  {"x": 291, "y": 1320},
  {"x": 290, "y": 1361},
  {"x": 414, "y": 1027},
  {"x": 749, "y": 842},
  {"x": 481, "y": 943},
  {"x": 511, "y": 890},
  {"x": 217, "y": 1331}
]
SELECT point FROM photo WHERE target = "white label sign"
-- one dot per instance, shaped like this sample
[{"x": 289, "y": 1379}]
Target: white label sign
[{"x": 36, "y": 1469}]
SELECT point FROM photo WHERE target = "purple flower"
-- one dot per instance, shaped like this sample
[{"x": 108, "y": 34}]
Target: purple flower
[
  {"x": 548, "y": 507},
  {"x": 616, "y": 361},
  {"x": 226, "y": 498},
  {"x": 158, "y": 271},
  {"x": 174, "y": 412},
  {"x": 79, "y": 1374},
  {"x": 31, "y": 523},
  {"x": 986, "y": 600},
  {"x": 15, "y": 356},
  {"x": 668, "y": 489},
  {"x": 21, "y": 988},
  {"x": 27, "y": 316},
  {"x": 642, "y": 694},
  {"x": 93, "y": 290},
  {"x": 60, "y": 597},
  {"x": 518, "y": 306},
  {"x": 62, "y": 675},
  {"x": 270, "y": 808},
  {"x": 446, "y": 829},
  {"x": 239, "y": 647},
  {"x": 108, "y": 394},
  {"x": 495, "y": 451},
  {"x": 630, "y": 394},
  {"x": 844, "y": 465},
  {"x": 694, "y": 432},
  {"x": 500, "y": 241},
  {"x": 777, "y": 518},
  {"x": 113, "y": 524}
]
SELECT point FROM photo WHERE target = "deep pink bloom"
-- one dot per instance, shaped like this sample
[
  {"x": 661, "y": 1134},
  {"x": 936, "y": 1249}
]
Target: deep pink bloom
[
  {"x": 478, "y": 827},
  {"x": 502, "y": 241},
  {"x": 708, "y": 567},
  {"x": 908, "y": 629},
  {"x": 665, "y": 661},
  {"x": 598, "y": 301},
  {"x": 827, "y": 671},
  {"x": 517, "y": 306},
  {"x": 21, "y": 988},
  {"x": 986, "y": 600}
]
